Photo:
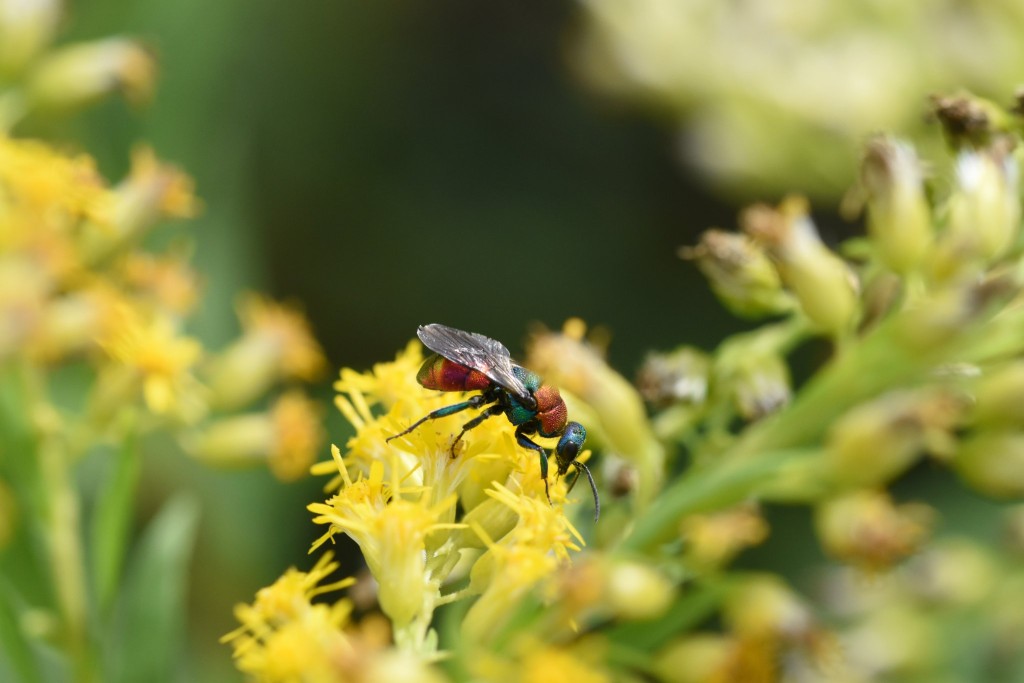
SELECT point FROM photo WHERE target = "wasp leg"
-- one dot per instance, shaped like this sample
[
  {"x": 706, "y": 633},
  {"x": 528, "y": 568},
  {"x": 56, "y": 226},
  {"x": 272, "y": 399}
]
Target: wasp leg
[
  {"x": 473, "y": 402},
  {"x": 489, "y": 412},
  {"x": 525, "y": 442}
]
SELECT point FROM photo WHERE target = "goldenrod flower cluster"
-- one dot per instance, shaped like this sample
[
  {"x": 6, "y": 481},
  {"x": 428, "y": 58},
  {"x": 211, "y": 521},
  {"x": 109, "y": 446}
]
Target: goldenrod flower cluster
[
  {"x": 96, "y": 357},
  {"x": 482, "y": 579}
]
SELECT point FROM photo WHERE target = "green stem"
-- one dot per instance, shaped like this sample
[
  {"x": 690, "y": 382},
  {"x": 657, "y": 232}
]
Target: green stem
[
  {"x": 62, "y": 525},
  {"x": 710, "y": 488},
  {"x": 66, "y": 557},
  {"x": 882, "y": 360}
]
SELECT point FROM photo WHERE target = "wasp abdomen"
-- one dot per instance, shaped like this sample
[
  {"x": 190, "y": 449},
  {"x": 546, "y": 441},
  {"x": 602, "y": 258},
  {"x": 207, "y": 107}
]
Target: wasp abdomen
[{"x": 437, "y": 372}]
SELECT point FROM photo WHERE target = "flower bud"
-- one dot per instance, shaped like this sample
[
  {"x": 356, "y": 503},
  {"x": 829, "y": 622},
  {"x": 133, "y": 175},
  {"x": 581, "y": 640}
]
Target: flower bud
[
  {"x": 894, "y": 639},
  {"x": 713, "y": 540},
  {"x": 984, "y": 210},
  {"x": 993, "y": 462},
  {"x": 749, "y": 369},
  {"x": 694, "y": 659},
  {"x": 569, "y": 363},
  {"x": 866, "y": 529},
  {"x": 26, "y": 28},
  {"x": 970, "y": 121},
  {"x": 877, "y": 441},
  {"x": 636, "y": 591},
  {"x": 898, "y": 222},
  {"x": 953, "y": 571},
  {"x": 276, "y": 344},
  {"x": 680, "y": 376},
  {"x": 999, "y": 397},
  {"x": 823, "y": 284},
  {"x": 740, "y": 274},
  {"x": 761, "y": 386},
  {"x": 286, "y": 437},
  {"x": 73, "y": 323},
  {"x": 78, "y": 75},
  {"x": 151, "y": 192},
  {"x": 763, "y": 607}
]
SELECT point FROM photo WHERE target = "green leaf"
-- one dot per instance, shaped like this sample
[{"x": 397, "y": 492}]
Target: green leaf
[
  {"x": 149, "y": 620},
  {"x": 111, "y": 522}
]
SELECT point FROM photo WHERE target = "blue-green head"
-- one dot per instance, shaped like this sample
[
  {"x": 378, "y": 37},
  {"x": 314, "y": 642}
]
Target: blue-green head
[
  {"x": 570, "y": 445},
  {"x": 566, "y": 452}
]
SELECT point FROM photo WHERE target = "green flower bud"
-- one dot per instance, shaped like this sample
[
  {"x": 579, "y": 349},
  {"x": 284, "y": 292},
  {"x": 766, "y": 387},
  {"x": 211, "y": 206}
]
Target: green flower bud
[
  {"x": 953, "y": 571},
  {"x": 823, "y": 284},
  {"x": 866, "y": 529},
  {"x": 983, "y": 211},
  {"x": 898, "y": 216},
  {"x": 695, "y": 659},
  {"x": 740, "y": 274},
  {"x": 764, "y": 607},
  {"x": 877, "y": 441},
  {"x": 750, "y": 370},
  {"x": 993, "y": 462},
  {"x": 81, "y": 74},
  {"x": 26, "y": 28},
  {"x": 999, "y": 397},
  {"x": 636, "y": 591}
]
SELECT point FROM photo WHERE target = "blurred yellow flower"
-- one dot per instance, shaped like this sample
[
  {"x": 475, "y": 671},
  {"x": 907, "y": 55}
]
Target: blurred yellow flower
[
  {"x": 48, "y": 186},
  {"x": 276, "y": 344},
  {"x": 287, "y": 437},
  {"x": 161, "y": 359}
]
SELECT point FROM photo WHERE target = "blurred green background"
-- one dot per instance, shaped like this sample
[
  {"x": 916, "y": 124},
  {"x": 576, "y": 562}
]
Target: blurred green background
[{"x": 389, "y": 164}]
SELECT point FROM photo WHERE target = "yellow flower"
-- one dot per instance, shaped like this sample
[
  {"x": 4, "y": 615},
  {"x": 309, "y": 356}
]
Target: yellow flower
[
  {"x": 391, "y": 525},
  {"x": 276, "y": 344},
  {"x": 166, "y": 281},
  {"x": 286, "y": 437},
  {"x": 74, "y": 322},
  {"x": 387, "y": 383},
  {"x": 160, "y": 360},
  {"x": 522, "y": 561},
  {"x": 398, "y": 500},
  {"x": 151, "y": 191},
  {"x": 285, "y": 637},
  {"x": 50, "y": 186}
]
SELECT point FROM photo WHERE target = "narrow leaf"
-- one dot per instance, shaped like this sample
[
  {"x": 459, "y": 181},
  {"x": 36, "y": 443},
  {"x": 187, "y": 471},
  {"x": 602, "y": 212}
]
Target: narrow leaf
[{"x": 148, "y": 627}]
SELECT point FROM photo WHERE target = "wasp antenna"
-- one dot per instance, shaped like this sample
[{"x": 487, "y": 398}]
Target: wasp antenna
[{"x": 593, "y": 488}]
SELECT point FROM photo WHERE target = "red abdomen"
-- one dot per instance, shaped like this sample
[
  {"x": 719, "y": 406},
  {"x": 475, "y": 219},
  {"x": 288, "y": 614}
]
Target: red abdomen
[{"x": 437, "y": 372}]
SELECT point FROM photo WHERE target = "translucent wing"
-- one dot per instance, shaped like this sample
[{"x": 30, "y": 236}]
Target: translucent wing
[{"x": 476, "y": 351}]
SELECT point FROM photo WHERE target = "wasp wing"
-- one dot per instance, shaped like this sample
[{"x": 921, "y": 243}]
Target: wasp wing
[{"x": 483, "y": 354}]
